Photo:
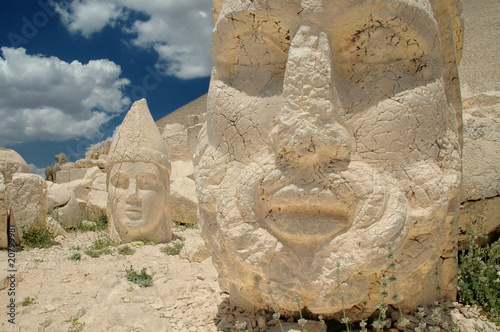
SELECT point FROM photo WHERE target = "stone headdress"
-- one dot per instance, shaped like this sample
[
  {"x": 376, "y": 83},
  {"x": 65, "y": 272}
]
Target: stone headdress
[{"x": 138, "y": 140}]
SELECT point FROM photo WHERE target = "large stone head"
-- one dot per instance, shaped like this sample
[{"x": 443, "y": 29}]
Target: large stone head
[
  {"x": 332, "y": 132},
  {"x": 138, "y": 180}
]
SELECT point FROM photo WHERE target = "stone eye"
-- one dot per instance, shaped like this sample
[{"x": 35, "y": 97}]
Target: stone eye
[
  {"x": 148, "y": 181},
  {"x": 249, "y": 43},
  {"x": 120, "y": 180}
]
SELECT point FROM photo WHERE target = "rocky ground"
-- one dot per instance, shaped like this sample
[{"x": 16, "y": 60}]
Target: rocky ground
[{"x": 54, "y": 293}]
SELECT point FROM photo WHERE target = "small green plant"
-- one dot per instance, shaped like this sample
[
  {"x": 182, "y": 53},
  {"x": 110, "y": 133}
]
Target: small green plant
[
  {"x": 345, "y": 320},
  {"x": 276, "y": 314},
  {"x": 76, "y": 248},
  {"x": 37, "y": 235},
  {"x": 75, "y": 325},
  {"x": 479, "y": 275},
  {"x": 183, "y": 226},
  {"x": 142, "y": 279},
  {"x": 173, "y": 248},
  {"x": 126, "y": 250},
  {"x": 85, "y": 225},
  {"x": 28, "y": 301},
  {"x": 241, "y": 326},
  {"x": 396, "y": 297},
  {"x": 75, "y": 257},
  {"x": 38, "y": 260},
  {"x": 101, "y": 245},
  {"x": 302, "y": 321},
  {"x": 379, "y": 323}
]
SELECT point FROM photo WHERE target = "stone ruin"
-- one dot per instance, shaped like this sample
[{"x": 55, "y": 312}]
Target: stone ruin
[
  {"x": 333, "y": 131},
  {"x": 341, "y": 139}
]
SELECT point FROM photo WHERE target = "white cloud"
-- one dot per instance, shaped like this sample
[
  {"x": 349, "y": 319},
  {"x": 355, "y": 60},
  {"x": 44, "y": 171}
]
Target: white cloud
[
  {"x": 89, "y": 16},
  {"x": 46, "y": 98},
  {"x": 178, "y": 30}
]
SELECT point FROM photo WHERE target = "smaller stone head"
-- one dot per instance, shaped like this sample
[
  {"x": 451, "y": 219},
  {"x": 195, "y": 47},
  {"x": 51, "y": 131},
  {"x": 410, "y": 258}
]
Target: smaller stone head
[{"x": 138, "y": 178}]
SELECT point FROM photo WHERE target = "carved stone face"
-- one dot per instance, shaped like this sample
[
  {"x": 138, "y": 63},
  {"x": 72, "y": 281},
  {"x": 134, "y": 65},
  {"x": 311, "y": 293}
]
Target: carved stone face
[
  {"x": 329, "y": 136},
  {"x": 137, "y": 199}
]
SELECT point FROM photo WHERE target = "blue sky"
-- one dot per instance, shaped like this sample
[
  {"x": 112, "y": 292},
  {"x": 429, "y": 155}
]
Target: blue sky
[{"x": 70, "y": 69}]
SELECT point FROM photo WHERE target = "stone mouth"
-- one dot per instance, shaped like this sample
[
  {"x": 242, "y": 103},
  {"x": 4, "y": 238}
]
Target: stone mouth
[
  {"x": 302, "y": 216},
  {"x": 134, "y": 213}
]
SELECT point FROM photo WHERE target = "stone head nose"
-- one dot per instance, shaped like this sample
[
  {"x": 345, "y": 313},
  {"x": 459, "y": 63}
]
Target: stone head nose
[
  {"x": 308, "y": 129},
  {"x": 132, "y": 191}
]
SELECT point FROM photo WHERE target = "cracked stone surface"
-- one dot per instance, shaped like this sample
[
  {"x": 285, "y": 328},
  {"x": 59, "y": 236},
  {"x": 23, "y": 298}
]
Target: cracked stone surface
[
  {"x": 333, "y": 130},
  {"x": 138, "y": 178}
]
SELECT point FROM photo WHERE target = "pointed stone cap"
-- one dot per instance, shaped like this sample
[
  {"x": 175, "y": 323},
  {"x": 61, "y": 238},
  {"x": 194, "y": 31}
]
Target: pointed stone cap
[{"x": 138, "y": 140}]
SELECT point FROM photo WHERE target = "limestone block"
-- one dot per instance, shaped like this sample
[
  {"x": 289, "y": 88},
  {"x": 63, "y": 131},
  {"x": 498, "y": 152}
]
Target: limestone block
[
  {"x": 27, "y": 197},
  {"x": 194, "y": 119},
  {"x": 81, "y": 188},
  {"x": 184, "y": 202},
  {"x": 192, "y": 136},
  {"x": 138, "y": 180},
  {"x": 55, "y": 228},
  {"x": 99, "y": 182},
  {"x": 77, "y": 174},
  {"x": 92, "y": 153},
  {"x": 481, "y": 151},
  {"x": 10, "y": 163},
  {"x": 85, "y": 163},
  {"x": 62, "y": 176},
  {"x": 97, "y": 204},
  {"x": 311, "y": 164},
  {"x": 101, "y": 163},
  {"x": 58, "y": 195},
  {"x": 181, "y": 168},
  {"x": 67, "y": 166},
  {"x": 482, "y": 215},
  {"x": 104, "y": 148},
  {"x": 176, "y": 141},
  {"x": 195, "y": 249},
  {"x": 70, "y": 214},
  {"x": 92, "y": 172}
]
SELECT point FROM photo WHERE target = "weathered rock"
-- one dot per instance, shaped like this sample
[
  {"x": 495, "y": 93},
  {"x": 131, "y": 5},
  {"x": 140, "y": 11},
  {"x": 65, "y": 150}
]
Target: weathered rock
[
  {"x": 83, "y": 173},
  {"x": 98, "y": 198},
  {"x": 10, "y": 163},
  {"x": 104, "y": 148},
  {"x": 181, "y": 168},
  {"x": 58, "y": 195},
  {"x": 138, "y": 175},
  {"x": 193, "y": 137},
  {"x": 195, "y": 249},
  {"x": 55, "y": 227},
  {"x": 27, "y": 197},
  {"x": 482, "y": 216},
  {"x": 97, "y": 205},
  {"x": 51, "y": 171},
  {"x": 70, "y": 214},
  {"x": 327, "y": 142},
  {"x": 176, "y": 140},
  {"x": 481, "y": 152},
  {"x": 184, "y": 203},
  {"x": 99, "y": 182},
  {"x": 62, "y": 177}
]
